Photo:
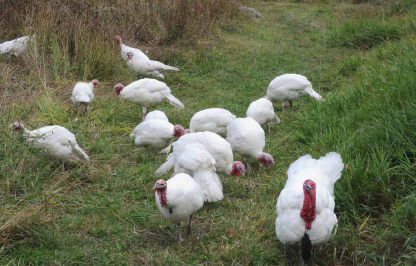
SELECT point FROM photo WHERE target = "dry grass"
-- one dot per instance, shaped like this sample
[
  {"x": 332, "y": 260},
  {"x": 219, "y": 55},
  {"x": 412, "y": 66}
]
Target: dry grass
[{"x": 75, "y": 39}]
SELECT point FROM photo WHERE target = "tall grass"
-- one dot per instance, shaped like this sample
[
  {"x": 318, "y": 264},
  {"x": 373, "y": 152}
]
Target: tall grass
[
  {"x": 373, "y": 125},
  {"x": 75, "y": 39}
]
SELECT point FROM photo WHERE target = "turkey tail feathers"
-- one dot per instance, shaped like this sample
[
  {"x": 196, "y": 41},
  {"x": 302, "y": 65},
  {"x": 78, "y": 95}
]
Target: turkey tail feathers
[
  {"x": 175, "y": 102},
  {"x": 164, "y": 168}
]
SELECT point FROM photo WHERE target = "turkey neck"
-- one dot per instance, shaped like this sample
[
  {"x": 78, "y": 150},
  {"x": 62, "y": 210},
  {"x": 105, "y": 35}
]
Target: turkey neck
[
  {"x": 162, "y": 196},
  {"x": 309, "y": 203}
]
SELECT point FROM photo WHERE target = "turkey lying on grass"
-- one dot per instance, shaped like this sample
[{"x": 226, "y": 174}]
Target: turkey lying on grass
[
  {"x": 178, "y": 199},
  {"x": 305, "y": 207}
]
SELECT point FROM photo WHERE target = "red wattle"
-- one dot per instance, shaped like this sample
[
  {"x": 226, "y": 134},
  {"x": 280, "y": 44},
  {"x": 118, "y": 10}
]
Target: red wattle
[
  {"x": 308, "y": 212},
  {"x": 162, "y": 197}
]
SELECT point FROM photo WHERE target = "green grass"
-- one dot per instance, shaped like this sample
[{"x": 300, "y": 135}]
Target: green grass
[{"x": 103, "y": 213}]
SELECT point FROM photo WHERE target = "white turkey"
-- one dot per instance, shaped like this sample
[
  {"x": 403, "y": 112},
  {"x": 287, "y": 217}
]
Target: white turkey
[
  {"x": 156, "y": 134},
  {"x": 58, "y": 142},
  {"x": 147, "y": 92},
  {"x": 248, "y": 139},
  {"x": 262, "y": 111},
  {"x": 138, "y": 62},
  {"x": 15, "y": 47},
  {"x": 289, "y": 87},
  {"x": 156, "y": 114},
  {"x": 127, "y": 49},
  {"x": 195, "y": 160},
  {"x": 83, "y": 93},
  {"x": 212, "y": 119},
  {"x": 217, "y": 146},
  {"x": 178, "y": 199},
  {"x": 305, "y": 207}
]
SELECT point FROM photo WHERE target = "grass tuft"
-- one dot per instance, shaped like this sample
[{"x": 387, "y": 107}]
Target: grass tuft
[{"x": 365, "y": 34}]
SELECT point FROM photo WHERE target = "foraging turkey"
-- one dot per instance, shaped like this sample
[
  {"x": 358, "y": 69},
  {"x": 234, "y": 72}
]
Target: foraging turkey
[
  {"x": 15, "y": 47},
  {"x": 305, "y": 207},
  {"x": 58, "y": 142},
  {"x": 146, "y": 68},
  {"x": 126, "y": 49},
  {"x": 248, "y": 139},
  {"x": 83, "y": 93},
  {"x": 156, "y": 114},
  {"x": 138, "y": 62},
  {"x": 289, "y": 87},
  {"x": 212, "y": 119},
  {"x": 147, "y": 92},
  {"x": 156, "y": 134},
  {"x": 178, "y": 199},
  {"x": 195, "y": 160},
  {"x": 217, "y": 146},
  {"x": 262, "y": 111}
]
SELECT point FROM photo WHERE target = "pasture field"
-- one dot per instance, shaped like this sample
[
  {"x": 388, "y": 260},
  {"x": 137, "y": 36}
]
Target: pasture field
[{"x": 360, "y": 57}]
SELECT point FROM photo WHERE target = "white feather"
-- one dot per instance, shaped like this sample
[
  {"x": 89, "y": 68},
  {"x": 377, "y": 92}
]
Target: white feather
[
  {"x": 15, "y": 47},
  {"x": 147, "y": 92},
  {"x": 290, "y": 227},
  {"x": 213, "y": 120},
  {"x": 57, "y": 141},
  {"x": 83, "y": 92},
  {"x": 184, "y": 198},
  {"x": 217, "y": 146},
  {"x": 155, "y": 134},
  {"x": 262, "y": 111},
  {"x": 289, "y": 87},
  {"x": 194, "y": 159},
  {"x": 246, "y": 137}
]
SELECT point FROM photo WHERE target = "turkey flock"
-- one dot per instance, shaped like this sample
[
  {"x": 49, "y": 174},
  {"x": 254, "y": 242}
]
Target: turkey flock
[{"x": 203, "y": 154}]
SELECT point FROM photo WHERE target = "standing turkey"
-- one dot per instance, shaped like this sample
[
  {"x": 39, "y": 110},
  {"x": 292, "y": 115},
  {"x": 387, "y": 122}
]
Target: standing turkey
[
  {"x": 213, "y": 120},
  {"x": 15, "y": 47},
  {"x": 195, "y": 160},
  {"x": 305, "y": 207},
  {"x": 138, "y": 62},
  {"x": 289, "y": 87},
  {"x": 58, "y": 142},
  {"x": 178, "y": 199},
  {"x": 248, "y": 139},
  {"x": 156, "y": 114},
  {"x": 83, "y": 94},
  {"x": 262, "y": 111},
  {"x": 147, "y": 92},
  {"x": 156, "y": 134},
  {"x": 217, "y": 146}
]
